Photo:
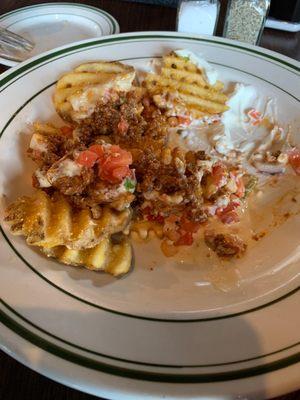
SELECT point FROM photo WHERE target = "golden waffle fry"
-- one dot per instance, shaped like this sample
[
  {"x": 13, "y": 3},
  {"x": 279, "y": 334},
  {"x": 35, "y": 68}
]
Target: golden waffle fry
[
  {"x": 78, "y": 91},
  {"x": 187, "y": 101},
  {"x": 104, "y": 66},
  {"x": 173, "y": 61},
  {"x": 183, "y": 64},
  {"x": 37, "y": 219},
  {"x": 105, "y": 256},
  {"x": 78, "y": 80},
  {"x": 181, "y": 87},
  {"x": 16, "y": 213},
  {"x": 211, "y": 107},
  {"x": 155, "y": 82},
  {"x": 184, "y": 76},
  {"x": 60, "y": 227},
  {"x": 49, "y": 222},
  {"x": 120, "y": 258}
]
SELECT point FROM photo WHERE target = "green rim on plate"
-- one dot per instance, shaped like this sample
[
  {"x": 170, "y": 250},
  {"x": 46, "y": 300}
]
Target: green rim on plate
[
  {"x": 139, "y": 374},
  {"x": 171, "y": 366}
]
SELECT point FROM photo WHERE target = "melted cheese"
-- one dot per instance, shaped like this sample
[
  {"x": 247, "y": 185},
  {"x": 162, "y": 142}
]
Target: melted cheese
[
  {"x": 64, "y": 168},
  {"x": 68, "y": 168},
  {"x": 43, "y": 181},
  {"x": 38, "y": 143}
]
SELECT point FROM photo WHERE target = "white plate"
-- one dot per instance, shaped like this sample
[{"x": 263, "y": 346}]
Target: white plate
[
  {"x": 52, "y": 25},
  {"x": 164, "y": 330}
]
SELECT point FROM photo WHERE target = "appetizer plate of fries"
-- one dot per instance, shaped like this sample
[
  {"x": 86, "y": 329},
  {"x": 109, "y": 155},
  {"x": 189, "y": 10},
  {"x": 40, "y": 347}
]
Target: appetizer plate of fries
[{"x": 150, "y": 217}]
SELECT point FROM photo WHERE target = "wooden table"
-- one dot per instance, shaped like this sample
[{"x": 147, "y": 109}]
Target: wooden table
[{"x": 16, "y": 381}]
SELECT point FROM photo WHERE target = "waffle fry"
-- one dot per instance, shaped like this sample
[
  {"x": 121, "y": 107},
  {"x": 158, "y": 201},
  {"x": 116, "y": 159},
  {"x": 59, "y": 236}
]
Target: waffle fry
[
  {"x": 49, "y": 222},
  {"x": 105, "y": 256},
  {"x": 188, "y": 70},
  {"x": 114, "y": 67},
  {"x": 155, "y": 81},
  {"x": 78, "y": 91},
  {"x": 182, "y": 87}
]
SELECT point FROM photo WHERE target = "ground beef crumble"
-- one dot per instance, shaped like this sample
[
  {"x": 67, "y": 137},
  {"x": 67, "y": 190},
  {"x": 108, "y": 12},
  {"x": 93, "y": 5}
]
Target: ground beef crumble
[{"x": 225, "y": 245}]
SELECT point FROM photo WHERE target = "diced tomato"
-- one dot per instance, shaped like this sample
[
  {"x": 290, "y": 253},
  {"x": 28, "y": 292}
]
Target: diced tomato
[
  {"x": 118, "y": 159},
  {"x": 126, "y": 157},
  {"x": 231, "y": 206},
  {"x": 113, "y": 162},
  {"x": 240, "y": 192},
  {"x": 121, "y": 154},
  {"x": 184, "y": 120},
  {"x": 254, "y": 114},
  {"x": 120, "y": 172},
  {"x": 256, "y": 122},
  {"x": 172, "y": 219},
  {"x": 105, "y": 175},
  {"x": 160, "y": 219},
  {"x": 66, "y": 130},
  {"x": 157, "y": 218},
  {"x": 255, "y": 117},
  {"x": 228, "y": 215},
  {"x": 229, "y": 218},
  {"x": 87, "y": 158},
  {"x": 240, "y": 188},
  {"x": 99, "y": 150},
  {"x": 189, "y": 226},
  {"x": 147, "y": 211},
  {"x": 115, "y": 175},
  {"x": 219, "y": 175},
  {"x": 185, "y": 240},
  {"x": 114, "y": 148},
  {"x": 294, "y": 159},
  {"x": 123, "y": 126}
]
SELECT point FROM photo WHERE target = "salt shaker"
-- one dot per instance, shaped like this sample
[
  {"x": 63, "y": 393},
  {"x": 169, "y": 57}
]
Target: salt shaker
[
  {"x": 198, "y": 16},
  {"x": 245, "y": 20}
]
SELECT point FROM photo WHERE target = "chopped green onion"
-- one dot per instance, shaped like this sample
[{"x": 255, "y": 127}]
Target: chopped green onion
[
  {"x": 129, "y": 185},
  {"x": 250, "y": 185},
  {"x": 186, "y": 58}
]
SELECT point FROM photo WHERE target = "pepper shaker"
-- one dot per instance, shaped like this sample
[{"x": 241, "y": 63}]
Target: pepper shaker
[
  {"x": 198, "y": 16},
  {"x": 245, "y": 20}
]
